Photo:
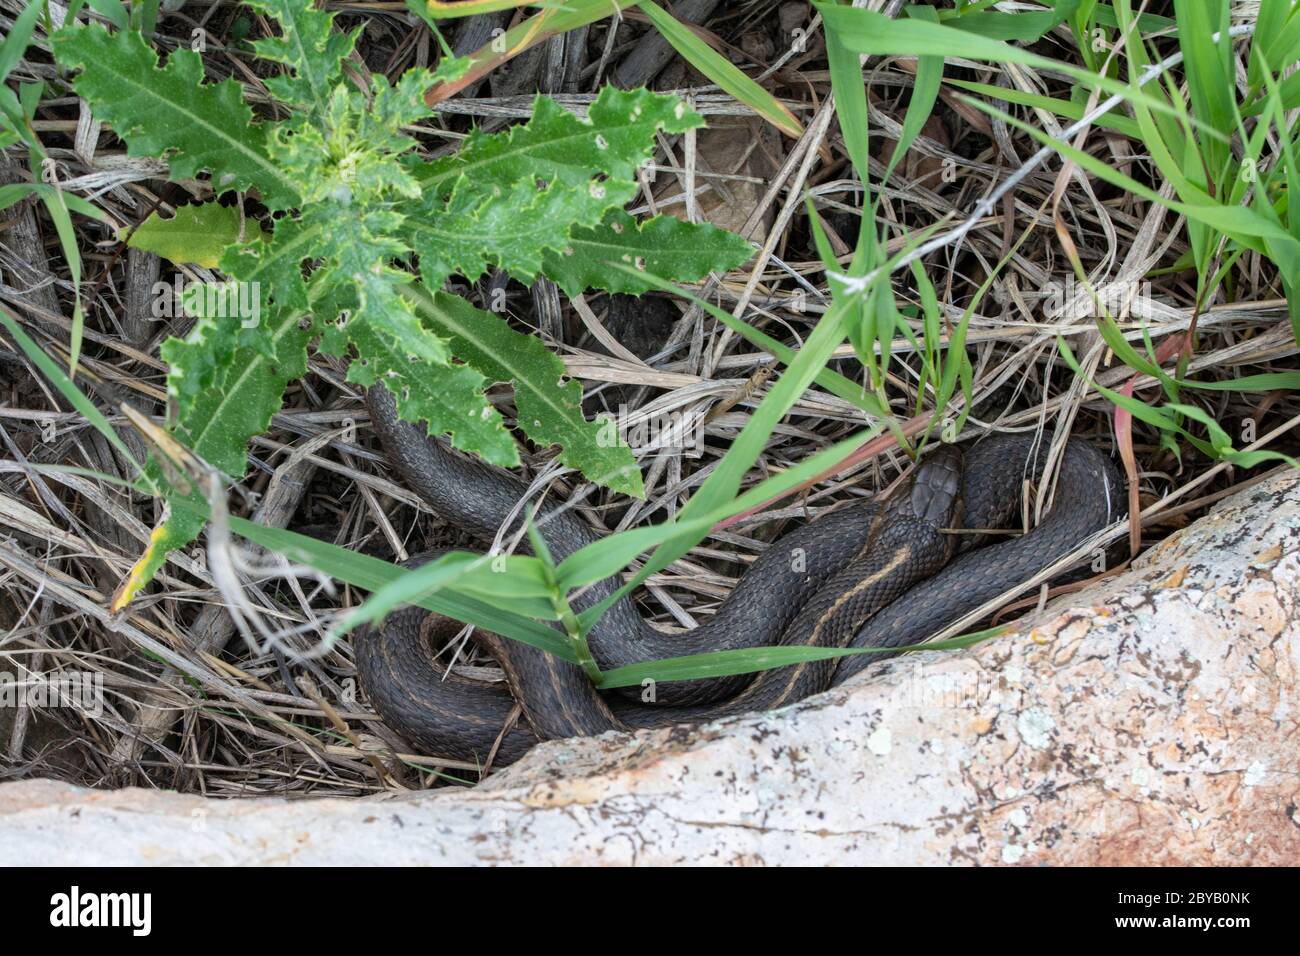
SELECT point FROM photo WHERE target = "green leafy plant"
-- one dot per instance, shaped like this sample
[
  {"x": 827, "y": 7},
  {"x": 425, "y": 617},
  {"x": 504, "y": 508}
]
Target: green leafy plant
[{"x": 365, "y": 233}]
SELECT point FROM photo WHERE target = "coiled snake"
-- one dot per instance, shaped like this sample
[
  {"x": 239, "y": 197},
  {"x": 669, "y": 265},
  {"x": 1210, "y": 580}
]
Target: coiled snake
[{"x": 869, "y": 575}]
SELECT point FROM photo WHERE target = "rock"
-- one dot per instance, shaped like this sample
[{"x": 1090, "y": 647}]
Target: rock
[{"x": 1148, "y": 720}]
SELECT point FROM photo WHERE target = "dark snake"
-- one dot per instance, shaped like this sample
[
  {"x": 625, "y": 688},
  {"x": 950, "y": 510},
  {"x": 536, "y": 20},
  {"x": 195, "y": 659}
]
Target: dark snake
[{"x": 874, "y": 574}]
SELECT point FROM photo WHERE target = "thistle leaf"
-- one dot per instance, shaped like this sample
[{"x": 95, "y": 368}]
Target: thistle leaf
[
  {"x": 450, "y": 397},
  {"x": 177, "y": 529},
  {"x": 228, "y": 375},
  {"x": 509, "y": 199},
  {"x": 244, "y": 391},
  {"x": 272, "y": 263},
  {"x": 509, "y": 227},
  {"x": 171, "y": 112},
  {"x": 309, "y": 47},
  {"x": 227, "y": 387},
  {"x": 550, "y": 408},
  {"x": 662, "y": 245},
  {"x": 543, "y": 195},
  {"x": 616, "y": 137}
]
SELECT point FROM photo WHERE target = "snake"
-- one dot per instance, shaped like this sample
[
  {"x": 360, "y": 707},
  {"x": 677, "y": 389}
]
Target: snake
[{"x": 886, "y": 573}]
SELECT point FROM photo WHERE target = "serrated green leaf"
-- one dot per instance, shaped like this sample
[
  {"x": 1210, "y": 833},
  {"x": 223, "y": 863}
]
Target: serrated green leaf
[
  {"x": 348, "y": 157},
  {"x": 664, "y": 245},
  {"x": 507, "y": 199},
  {"x": 230, "y": 393},
  {"x": 616, "y": 137},
  {"x": 228, "y": 388},
  {"x": 550, "y": 409},
  {"x": 175, "y": 531},
  {"x": 197, "y": 234},
  {"x": 449, "y": 397},
  {"x": 171, "y": 112},
  {"x": 509, "y": 227},
  {"x": 228, "y": 377},
  {"x": 392, "y": 345},
  {"x": 452, "y": 68},
  {"x": 308, "y": 46},
  {"x": 273, "y": 263}
]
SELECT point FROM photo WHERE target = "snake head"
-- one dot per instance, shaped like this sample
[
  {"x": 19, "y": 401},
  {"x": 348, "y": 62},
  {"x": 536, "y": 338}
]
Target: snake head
[{"x": 934, "y": 494}]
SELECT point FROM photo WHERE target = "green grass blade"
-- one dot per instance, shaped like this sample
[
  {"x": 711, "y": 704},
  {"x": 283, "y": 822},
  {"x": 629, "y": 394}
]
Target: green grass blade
[
  {"x": 1242, "y": 224},
  {"x": 1210, "y": 70},
  {"x": 1067, "y": 109},
  {"x": 829, "y": 379},
  {"x": 20, "y": 34},
  {"x": 747, "y": 660},
  {"x": 720, "y": 70},
  {"x": 850, "y": 103},
  {"x": 594, "y": 561},
  {"x": 372, "y": 574},
  {"x": 865, "y": 31},
  {"x": 925, "y": 92},
  {"x": 511, "y": 583},
  {"x": 721, "y": 486},
  {"x": 66, "y": 388}
]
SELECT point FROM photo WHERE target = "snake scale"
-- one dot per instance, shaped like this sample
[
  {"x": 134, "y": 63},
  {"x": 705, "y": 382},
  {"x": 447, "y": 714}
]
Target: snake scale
[{"x": 873, "y": 574}]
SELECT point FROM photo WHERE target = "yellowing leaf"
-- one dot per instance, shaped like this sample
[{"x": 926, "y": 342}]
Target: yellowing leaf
[{"x": 196, "y": 234}]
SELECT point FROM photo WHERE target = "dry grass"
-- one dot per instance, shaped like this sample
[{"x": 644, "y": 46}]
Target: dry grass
[{"x": 190, "y": 705}]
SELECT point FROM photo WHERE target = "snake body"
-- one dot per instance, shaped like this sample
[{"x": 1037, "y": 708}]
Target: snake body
[{"x": 864, "y": 575}]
